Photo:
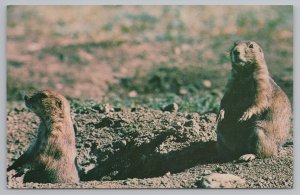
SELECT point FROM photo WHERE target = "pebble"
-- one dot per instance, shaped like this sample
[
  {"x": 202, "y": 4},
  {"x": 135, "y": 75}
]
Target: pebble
[
  {"x": 217, "y": 180},
  {"x": 206, "y": 83},
  {"x": 207, "y": 172},
  {"x": 132, "y": 94}
]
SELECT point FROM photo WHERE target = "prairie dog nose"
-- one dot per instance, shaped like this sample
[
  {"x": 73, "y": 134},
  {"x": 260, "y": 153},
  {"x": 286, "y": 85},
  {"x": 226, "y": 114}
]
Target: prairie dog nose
[{"x": 236, "y": 52}]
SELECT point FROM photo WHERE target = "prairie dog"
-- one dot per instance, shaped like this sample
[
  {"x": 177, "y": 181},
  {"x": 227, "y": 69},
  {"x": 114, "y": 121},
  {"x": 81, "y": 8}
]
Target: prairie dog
[
  {"x": 52, "y": 156},
  {"x": 255, "y": 114}
]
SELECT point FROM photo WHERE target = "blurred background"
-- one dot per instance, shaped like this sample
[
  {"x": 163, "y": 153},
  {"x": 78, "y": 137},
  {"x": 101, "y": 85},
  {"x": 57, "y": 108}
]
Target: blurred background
[{"x": 148, "y": 56}]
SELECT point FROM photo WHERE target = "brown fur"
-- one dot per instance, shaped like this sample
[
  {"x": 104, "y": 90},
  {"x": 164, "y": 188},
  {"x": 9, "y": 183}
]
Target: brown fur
[
  {"x": 255, "y": 114},
  {"x": 52, "y": 155}
]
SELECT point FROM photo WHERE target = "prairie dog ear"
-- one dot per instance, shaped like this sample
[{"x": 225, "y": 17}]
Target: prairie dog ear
[
  {"x": 46, "y": 92},
  {"x": 236, "y": 42}
]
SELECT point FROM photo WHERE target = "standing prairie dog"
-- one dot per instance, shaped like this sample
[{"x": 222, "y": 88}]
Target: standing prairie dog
[
  {"x": 52, "y": 156},
  {"x": 255, "y": 114}
]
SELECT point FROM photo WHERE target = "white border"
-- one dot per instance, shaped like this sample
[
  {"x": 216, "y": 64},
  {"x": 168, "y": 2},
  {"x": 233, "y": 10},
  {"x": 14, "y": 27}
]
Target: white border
[{"x": 3, "y": 4}]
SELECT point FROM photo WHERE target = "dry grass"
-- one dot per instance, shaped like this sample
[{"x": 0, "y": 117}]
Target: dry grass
[{"x": 78, "y": 50}]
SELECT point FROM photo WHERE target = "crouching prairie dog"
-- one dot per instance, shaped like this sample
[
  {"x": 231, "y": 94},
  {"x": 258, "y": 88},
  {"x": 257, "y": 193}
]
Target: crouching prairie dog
[
  {"x": 51, "y": 157},
  {"x": 255, "y": 113}
]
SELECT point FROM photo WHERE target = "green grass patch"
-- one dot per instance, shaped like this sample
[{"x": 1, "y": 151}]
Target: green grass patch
[
  {"x": 164, "y": 85},
  {"x": 16, "y": 90},
  {"x": 69, "y": 53},
  {"x": 15, "y": 63}
]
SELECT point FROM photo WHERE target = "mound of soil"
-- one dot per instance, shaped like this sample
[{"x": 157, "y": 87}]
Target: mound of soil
[{"x": 145, "y": 148}]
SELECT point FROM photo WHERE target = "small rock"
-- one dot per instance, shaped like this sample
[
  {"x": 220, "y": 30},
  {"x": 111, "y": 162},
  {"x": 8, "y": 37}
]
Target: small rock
[
  {"x": 34, "y": 47},
  {"x": 206, "y": 83},
  {"x": 177, "y": 51},
  {"x": 210, "y": 117},
  {"x": 217, "y": 180},
  {"x": 249, "y": 164},
  {"x": 261, "y": 180},
  {"x": 19, "y": 179},
  {"x": 207, "y": 172},
  {"x": 108, "y": 108},
  {"x": 185, "y": 47},
  {"x": 123, "y": 143},
  {"x": 177, "y": 123},
  {"x": 183, "y": 91},
  {"x": 103, "y": 108},
  {"x": 133, "y": 94},
  {"x": 270, "y": 178},
  {"x": 171, "y": 107}
]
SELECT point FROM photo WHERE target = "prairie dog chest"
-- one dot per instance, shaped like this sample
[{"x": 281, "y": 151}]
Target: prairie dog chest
[{"x": 240, "y": 96}]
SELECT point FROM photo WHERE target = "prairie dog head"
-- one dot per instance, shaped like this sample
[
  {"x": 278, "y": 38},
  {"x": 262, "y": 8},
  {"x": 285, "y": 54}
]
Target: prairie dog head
[
  {"x": 246, "y": 56},
  {"x": 47, "y": 104}
]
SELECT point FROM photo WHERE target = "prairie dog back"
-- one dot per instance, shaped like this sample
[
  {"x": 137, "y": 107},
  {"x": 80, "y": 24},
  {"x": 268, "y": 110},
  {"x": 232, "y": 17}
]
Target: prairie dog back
[{"x": 52, "y": 155}]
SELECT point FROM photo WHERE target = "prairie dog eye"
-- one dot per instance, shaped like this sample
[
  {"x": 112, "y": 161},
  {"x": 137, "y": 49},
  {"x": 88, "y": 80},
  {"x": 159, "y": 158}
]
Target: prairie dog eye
[{"x": 251, "y": 45}]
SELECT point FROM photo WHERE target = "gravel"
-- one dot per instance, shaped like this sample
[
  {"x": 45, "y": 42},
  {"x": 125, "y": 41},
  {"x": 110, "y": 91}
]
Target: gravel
[{"x": 145, "y": 148}]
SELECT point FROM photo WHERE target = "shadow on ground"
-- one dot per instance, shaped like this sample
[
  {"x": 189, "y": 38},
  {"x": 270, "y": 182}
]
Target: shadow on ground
[
  {"x": 144, "y": 161},
  {"x": 142, "y": 143}
]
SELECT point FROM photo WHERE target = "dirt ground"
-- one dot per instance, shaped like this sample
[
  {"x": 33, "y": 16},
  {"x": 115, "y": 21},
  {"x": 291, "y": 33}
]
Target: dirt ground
[
  {"x": 139, "y": 59},
  {"x": 146, "y": 149}
]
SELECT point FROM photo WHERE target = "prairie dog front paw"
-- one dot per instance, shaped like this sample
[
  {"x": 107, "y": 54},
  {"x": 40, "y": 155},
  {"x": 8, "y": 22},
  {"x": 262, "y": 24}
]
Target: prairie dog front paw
[
  {"x": 221, "y": 115},
  {"x": 247, "y": 115},
  {"x": 247, "y": 157}
]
